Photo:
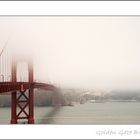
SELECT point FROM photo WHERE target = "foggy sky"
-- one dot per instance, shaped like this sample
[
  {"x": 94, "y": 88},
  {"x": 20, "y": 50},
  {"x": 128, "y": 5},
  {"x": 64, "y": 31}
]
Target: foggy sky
[{"x": 82, "y": 52}]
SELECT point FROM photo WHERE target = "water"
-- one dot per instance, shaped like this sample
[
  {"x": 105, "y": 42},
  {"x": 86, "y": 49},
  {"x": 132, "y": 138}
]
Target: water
[{"x": 90, "y": 113}]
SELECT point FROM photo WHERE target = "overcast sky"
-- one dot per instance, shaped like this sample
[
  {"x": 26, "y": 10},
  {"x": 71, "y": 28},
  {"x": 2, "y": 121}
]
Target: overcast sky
[{"x": 88, "y": 52}]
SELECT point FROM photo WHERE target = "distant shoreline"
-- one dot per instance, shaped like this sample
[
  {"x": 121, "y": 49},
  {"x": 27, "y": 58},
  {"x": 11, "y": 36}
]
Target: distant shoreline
[{"x": 111, "y": 101}]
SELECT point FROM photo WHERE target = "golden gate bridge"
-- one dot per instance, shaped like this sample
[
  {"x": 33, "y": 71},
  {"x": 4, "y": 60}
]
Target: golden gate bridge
[{"x": 21, "y": 92}]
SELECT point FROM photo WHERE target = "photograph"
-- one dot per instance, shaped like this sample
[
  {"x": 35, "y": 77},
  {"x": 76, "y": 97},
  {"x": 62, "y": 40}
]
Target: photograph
[{"x": 70, "y": 70}]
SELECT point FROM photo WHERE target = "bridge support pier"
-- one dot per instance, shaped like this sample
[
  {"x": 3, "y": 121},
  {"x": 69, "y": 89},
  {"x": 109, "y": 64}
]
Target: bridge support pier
[
  {"x": 31, "y": 107},
  {"x": 14, "y": 94},
  {"x": 31, "y": 94},
  {"x": 22, "y": 107},
  {"x": 13, "y": 109}
]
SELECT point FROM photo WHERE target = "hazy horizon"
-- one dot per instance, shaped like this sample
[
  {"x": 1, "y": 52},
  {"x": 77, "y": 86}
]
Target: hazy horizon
[{"x": 81, "y": 52}]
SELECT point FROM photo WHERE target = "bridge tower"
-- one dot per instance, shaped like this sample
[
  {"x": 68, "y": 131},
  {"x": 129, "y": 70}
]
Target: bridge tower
[{"x": 22, "y": 102}]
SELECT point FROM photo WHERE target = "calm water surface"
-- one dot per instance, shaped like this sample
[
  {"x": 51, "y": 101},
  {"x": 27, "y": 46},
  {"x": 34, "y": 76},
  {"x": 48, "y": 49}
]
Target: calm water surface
[{"x": 89, "y": 113}]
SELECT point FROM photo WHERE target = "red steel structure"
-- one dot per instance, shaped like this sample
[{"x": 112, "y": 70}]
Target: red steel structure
[
  {"x": 17, "y": 102},
  {"x": 22, "y": 93}
]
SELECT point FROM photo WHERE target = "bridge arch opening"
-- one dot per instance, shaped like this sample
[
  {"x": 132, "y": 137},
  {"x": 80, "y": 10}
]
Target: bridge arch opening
[{"x": 22, "y": 72}]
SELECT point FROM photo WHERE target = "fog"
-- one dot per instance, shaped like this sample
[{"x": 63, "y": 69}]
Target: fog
[{"x": 80, "y": 52}]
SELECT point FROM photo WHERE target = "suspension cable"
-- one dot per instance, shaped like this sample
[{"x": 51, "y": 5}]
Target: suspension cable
[
  {"x": 3, "y": 67},
  {"x": 4, "y": 47}
]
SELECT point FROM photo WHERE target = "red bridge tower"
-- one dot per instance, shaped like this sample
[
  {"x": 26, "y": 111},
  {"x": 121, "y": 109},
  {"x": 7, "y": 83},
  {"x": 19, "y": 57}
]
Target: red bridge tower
[{"x": 22, "y": 102}]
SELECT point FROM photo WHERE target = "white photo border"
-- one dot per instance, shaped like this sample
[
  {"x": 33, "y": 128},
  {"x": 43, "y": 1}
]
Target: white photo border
[{"x": 58, "y": 8}]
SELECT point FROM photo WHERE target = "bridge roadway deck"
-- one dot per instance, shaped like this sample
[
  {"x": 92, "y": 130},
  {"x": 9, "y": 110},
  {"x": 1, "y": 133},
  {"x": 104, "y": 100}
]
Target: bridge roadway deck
[{"x": 18, "y": 86}]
